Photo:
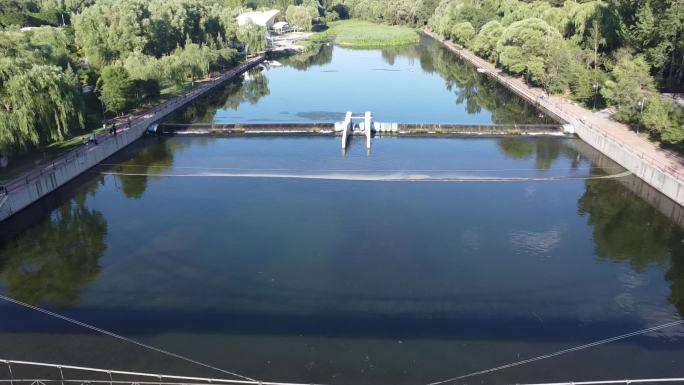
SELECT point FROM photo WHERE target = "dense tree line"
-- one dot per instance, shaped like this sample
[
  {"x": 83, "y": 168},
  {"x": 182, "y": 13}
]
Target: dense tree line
[
  {"x": 94, "y": 56},
  {"x": 617, "y": 53},
  {"x": 612, "y": 52}
]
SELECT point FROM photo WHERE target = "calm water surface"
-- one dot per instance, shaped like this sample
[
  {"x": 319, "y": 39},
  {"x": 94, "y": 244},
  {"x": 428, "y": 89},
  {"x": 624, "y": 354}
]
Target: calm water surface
[{"x": 283, "y": 259}]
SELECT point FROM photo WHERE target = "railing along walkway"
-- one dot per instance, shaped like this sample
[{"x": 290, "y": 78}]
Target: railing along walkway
[
  {"x": 142, "y": 121},
  {"x": 666, "y": 161}
]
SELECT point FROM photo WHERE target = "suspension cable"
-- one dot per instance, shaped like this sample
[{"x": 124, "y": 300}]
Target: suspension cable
[
  {"x": 122, "y": 338},
  {"x": 561, "y": 352}
]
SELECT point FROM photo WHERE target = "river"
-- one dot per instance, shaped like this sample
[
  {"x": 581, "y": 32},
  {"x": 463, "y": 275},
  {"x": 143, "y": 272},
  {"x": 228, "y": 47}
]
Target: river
[{"x": 283, "y": 259}]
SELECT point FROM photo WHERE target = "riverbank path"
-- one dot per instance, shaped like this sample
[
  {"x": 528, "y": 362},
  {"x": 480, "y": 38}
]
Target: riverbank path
[
  {"x": 667, "y": 161},
  {"x": 123, "y": 124}
]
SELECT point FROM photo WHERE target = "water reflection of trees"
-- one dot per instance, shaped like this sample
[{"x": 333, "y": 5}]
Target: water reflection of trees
[
  {"x": 628, "y": 229},
  {"x": 471, "y": 88},
  {"x": 544, "y": 151},
  {"x": 52, "y": 262},
  {"x": 154, "y": 158},
  {"x": 249, "y": 89},
  {"x": 316, "y": 55}
]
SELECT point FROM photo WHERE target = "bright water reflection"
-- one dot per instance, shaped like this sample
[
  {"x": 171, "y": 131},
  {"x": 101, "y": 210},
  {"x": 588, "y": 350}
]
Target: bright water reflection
[{"x": 414, "y": 84}]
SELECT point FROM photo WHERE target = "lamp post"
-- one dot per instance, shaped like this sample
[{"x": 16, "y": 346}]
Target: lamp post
[
  {"x": 640, "y": 103},
  {"x": 104, "y": 120},
  {"x": 596, "y": 86}
]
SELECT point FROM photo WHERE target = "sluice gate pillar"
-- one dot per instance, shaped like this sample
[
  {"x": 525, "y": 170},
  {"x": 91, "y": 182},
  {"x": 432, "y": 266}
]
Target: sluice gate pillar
[
  {"x": 368, "y": 128},
  {"x": 346, "y": 129}
]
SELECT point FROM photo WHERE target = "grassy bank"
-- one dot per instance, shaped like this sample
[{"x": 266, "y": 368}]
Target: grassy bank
[{"x": 363, "y": 34}]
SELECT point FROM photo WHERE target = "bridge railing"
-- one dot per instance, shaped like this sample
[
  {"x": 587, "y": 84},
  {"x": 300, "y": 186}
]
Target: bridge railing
[{"x": 14, "y": 372}]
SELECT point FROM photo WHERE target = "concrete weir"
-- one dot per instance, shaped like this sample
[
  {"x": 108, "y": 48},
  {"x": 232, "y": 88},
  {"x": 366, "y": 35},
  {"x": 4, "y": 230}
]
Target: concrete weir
[
  {"x": 346, "y": 129},
  {"x": 366, "y": 127},
  {"x": 28, "y": 188}
]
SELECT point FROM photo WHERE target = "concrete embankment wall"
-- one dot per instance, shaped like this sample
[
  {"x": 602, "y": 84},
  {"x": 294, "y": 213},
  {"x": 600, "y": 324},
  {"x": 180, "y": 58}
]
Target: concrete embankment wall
[
  {"x": 665, "y": 180},
  {"x": 646, "y": 169},
  {"x": 30, "y": 187},
  {"x": 35, "y": 187}
]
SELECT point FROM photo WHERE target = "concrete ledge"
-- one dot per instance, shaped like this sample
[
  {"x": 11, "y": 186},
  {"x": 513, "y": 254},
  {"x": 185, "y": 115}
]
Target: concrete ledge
[{"x": 644, "y": 168}]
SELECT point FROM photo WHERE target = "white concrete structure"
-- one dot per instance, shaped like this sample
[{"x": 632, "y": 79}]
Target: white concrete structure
[
  {"x": 281, "y": 27},
  {"x": 346, "y": 129},
  {"x": 262, "y": 19},
  {"x": 368, "y": 128}
]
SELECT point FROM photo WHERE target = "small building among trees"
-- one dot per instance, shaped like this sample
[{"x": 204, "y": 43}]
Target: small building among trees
[
  {"x": 261, "y": 19},
  {"x": 281, "y": 27}
]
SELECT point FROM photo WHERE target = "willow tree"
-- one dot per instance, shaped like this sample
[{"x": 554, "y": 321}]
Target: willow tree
[
  {"x": 38, "y": 105},
  {"x": 253, "y": 37}
]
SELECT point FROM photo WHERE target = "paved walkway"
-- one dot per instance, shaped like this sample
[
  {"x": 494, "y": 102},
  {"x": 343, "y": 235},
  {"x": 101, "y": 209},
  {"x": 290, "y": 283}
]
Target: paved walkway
[
  {"x": 667, "y": 161},
  {"x": 145, "y": 118}
]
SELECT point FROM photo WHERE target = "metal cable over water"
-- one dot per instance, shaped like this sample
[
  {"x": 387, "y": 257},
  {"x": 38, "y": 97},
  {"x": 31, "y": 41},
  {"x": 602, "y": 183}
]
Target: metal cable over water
[
  {"x": 122, "y": 338},
  {"x": 561, "y": 352}
]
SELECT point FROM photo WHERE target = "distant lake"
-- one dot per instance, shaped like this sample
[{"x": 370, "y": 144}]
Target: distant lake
[{"x": 283, "y": 259}]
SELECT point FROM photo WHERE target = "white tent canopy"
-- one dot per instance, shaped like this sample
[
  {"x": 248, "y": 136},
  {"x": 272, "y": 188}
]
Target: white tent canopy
[{"x": 262, "y": 19}]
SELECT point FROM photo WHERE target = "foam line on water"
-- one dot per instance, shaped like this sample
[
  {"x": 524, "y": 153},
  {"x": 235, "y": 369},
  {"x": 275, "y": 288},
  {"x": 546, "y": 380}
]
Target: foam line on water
[
  {"x": 353, "y": 170},
  {"x": 375, "y": 178}
]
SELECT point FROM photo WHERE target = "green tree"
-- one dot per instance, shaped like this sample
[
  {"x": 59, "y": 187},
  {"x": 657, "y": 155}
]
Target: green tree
[
  {"x": 300, "y": 17},
  {"x": 524, "y": 47},
  {"x": 664, "y": 119},
  {"x": 556, "y": 75},
  {"x": 110, "y": 29},
  {"x": 116, "y": 88},
  {"x": 141, "y": 66},
  {"x": 38, "y": 105},
  {"x": 196, "y": 60},
  {"x": 484, "y": 44},
  {"x": 462, "y": 33},
  {"x": 629, "y": 87},
  {"x": 253, "y": 37}
]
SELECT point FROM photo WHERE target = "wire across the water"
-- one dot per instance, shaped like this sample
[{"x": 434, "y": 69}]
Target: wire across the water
[
  {"x": 388, "y": 177},
  {"x": 122, "y": 338},
  {"x": 561, "y": 352}
]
